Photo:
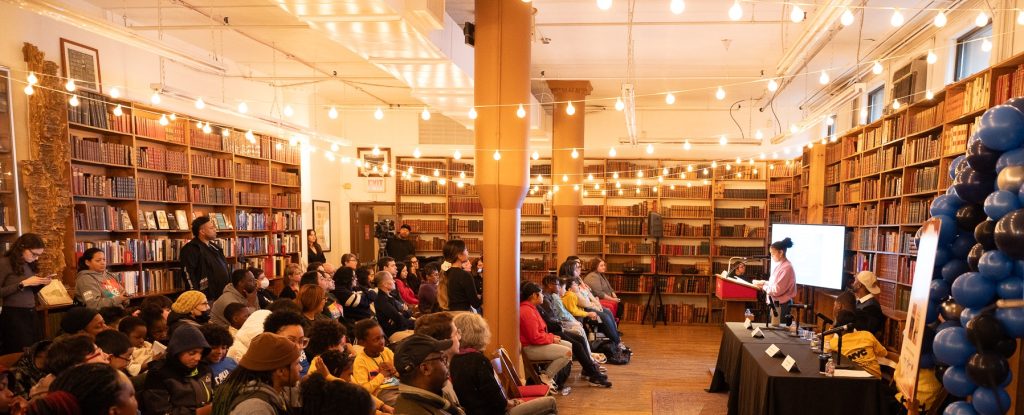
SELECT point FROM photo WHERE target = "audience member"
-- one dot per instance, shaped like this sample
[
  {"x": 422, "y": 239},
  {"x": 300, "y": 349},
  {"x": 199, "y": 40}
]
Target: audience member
[
  {"x": 604, "y": 322},
  {"x": 191, "y": 308},
  {"x": 313, "y": 299},
  {"x": 386, "y": 263},
  {"x": 327, "y": 397},
  {"x": 252, "y": 327},
  {"x": 402, "y": 285},
  {"x": 363, "y": 278},
  {"x": 537, "y": 343},
  {"x": 422, "y": 364},
  {"x": 601, "y": 288},
  {"x": 336, "y": 365},
  {"x": 181, "y": 382},
  {"x": 9, "y": 402},
  {"x": 217, "y": 357},
  {"x": 155, "y": 305},
  {"x": 89, "y": 389},
  {"x": 236, "y": 314},
  {"x": 374, "y": 367},
  {"x": 292, "y": 327},
  {"x": 262, "y": 382},
  {"x": 413, "y": 280},
  {"x": 396, "y": 323},
  {"x": 112, "y": 316},
  {"x": 441, "y": 326},
  {"x": 561, "y": 323},
  {"x": 204, "y": 262},
  {"x": 325, "y": 335},
  {"x": 350, "y": 261},
  {"x": 474, "y": 379},
  {"x": 156, "y": 329},
  {"x": 142, "y": 350},
  {"x": 428, "y": 291},
  {"x": 318, "y": 277},
  {"x": 869, "y": 311},
  {"x": 117, "y": 346},
  {"x": 94, "y": 286},
  {"x": 82, "y": 320},
  {"x": 243, "y": 285},
  {"x": 67, "y": 351},
  {"x": 292, "y": 275},
  {"x": 461, "y": 291},
  {"x": 401, "y": 246},
  {"x": 29, "y": 369},
  {"x": 264, "y": 295},
  {"x": 355, "y": 302},
  {"x": 476, "y": 269}
]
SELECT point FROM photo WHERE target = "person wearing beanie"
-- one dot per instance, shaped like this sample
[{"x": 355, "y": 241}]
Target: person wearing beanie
[
  {"x": 262, "y": 380},
  {"x": 203, "y": 259},
  {"x": 82, "y": 320},
  {"x": 191, "y": 308},
  {"x": 181, "y": 383},
  {"x": 422, "y": 365}
]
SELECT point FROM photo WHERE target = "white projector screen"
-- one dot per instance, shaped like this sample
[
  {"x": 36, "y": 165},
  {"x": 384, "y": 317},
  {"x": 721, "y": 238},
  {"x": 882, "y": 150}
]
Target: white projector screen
[{"x": 817, "y": 253}]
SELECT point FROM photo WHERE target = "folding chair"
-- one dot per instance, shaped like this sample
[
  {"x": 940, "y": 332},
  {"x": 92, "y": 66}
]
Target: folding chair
[{"x": 511, "y": 381}]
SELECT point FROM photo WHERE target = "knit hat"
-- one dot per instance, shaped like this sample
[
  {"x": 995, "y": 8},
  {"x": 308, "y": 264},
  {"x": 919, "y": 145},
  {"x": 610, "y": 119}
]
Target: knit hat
[
  {"x": 186, "y": 337},
  {"x": 414, "y": 350},
  {"x": 77, "y": 319},
  {"x": 269, "y": 351},
  {"x": 187, "y": 301}
]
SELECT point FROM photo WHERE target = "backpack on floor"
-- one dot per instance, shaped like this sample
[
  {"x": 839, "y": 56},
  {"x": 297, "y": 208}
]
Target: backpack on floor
[{"x": 612, "y": 352}]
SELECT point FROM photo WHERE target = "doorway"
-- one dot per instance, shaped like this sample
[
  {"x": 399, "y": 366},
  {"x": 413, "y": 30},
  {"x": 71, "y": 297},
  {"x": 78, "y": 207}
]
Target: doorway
[{"x": 362, "y": 217}]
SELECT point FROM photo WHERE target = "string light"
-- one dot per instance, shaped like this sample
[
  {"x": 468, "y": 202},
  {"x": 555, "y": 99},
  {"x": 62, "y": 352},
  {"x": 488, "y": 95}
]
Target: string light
[
  {"x": 425, "y": 115},
  {"x": 929, "y": 94},
  {"x": 243, "y": 107},
  {"x": 33, "y": 79},
  {"x": 847, "y": 18},
  {"x": 723, "y": 140},
  {"x": 540, "y": 178},
  {"x": 277, "y": 146},
  {"x": 73, "y": 101},
  {"x": 575, "y": 154},
  {"x": 897, "y": 19},
  {"x": 619, "y": 105},
  {"x": 173, "y": 116},
  {"x": 773, "y": 85},
  {"x": 118, "y": 111},
  {"x": 565, "y": 178},
  {"x": 615, "y": 175},
  {"x": 457, "y": 155},
  {"x": 576, "y": 187},
  {"x": 416, "y": 153},
  {"x": 250, "y": 136},
  {"x": 689, "y": 168},
  {"x": 986, "y": 45},
  {"x": 670, "y": 98},
  {"x": 940, "y": 19},
  {"x": 720, "y": 93},
  {"x": 677, "y": 7},
  {"x": 823, "y": 79},
  {"x": 797, "y": 14},
  {"x": 497, "y": 155},
  {"x": 931, "y": 57},
  {"x": 664, "y": 171},
  {"x": 163, "y": 120},
  {"x": 207, "y": 130},
  {"x": 115, "y": 93},
  {"x": 569, "y": 109},
  {"x": 604, "y": 4},
  {"x": 981, "y": 20},
  {"x": 758, "y": 135},
  {"x": 155, "y": 98},
  {"x": 536, "y": 155},
  {"x": 1020, "y": 17},
  {"x": 612, "y": 152},
  {"x": 590, "y": 177},
  {"x": 332, "y": 113},
  {"x": 376, "y": 150},
  {"x": 288, "y": 111},
  {"x": 639, "y": 173},
  {"x": 437, "y": 173},
  {"x": 378, "y": 114},
  {"x": 736, "y": 11},
  {"x": 896, "y": 104},
  {"x": 686, "y": 145},
  {"x": 462, "y": 175},
  {"x": 472, "y": 113},
  {"x": 650, "y": 148},
  {"x": 70, "y": 85},
  {"x": 714, "y": 165},
  {"x": 876, "y": 68},
  {"x": 29, "y": 90},
  {"x": 521, "y": 112}
]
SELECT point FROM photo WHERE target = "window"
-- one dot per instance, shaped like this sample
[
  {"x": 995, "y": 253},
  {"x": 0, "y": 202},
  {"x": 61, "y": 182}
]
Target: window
[
  {"x": 830, "y": 127},
  {"x": 971, "y": 56},
  {"x": 876, "y": 103}
]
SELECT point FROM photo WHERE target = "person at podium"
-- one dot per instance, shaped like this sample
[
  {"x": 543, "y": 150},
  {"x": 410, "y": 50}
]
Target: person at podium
[
  {"x": 740, "y": 271},
  {"x": 781, "y": 285}
]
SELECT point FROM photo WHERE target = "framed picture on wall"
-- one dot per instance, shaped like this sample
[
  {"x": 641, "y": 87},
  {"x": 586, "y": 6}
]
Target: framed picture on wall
[
  {"x": 322, "y": 223},
  {"x": 374, "y": 162},
  {"x": 81, "y": 63}
]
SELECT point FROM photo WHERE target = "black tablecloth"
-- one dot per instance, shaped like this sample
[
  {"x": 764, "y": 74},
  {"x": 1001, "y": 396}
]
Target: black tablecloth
[
  {"x": 764, "y": 387},
  {"x": 734, "y": 336}
]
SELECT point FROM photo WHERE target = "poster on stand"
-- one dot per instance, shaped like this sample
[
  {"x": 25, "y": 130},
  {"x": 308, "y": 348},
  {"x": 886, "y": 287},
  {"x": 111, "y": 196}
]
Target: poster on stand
[{"x": 917, "y": 308}]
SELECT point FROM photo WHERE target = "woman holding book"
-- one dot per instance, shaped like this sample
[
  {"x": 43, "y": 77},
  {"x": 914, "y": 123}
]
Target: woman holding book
[
  {"x": 19, "y": 284},
  {"x": 94, "y": 286}
]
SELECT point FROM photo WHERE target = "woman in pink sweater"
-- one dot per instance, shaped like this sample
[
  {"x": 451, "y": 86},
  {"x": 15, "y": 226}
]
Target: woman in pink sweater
[{"x": 781, "y": 286}]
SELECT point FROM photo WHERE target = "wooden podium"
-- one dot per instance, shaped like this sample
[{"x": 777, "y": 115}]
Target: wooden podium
[{"x": 736, "y": 293}]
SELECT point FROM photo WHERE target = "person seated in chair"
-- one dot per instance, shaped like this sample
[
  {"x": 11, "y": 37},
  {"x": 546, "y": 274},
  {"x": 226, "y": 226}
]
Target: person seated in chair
[
  {"x": 869, "y": 311},
  {"x": 859, "y": 346},
  {"x": 571, "y": 302},
  {"x": 537, "y": 343}
]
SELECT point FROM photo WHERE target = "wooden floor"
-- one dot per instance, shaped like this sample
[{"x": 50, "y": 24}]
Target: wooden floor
[{"x": 666, "y": 358}]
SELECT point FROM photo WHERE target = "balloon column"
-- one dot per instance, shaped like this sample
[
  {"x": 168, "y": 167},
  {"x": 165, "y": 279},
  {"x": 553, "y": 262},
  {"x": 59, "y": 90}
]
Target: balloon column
[{"x": 980, "y": 260}]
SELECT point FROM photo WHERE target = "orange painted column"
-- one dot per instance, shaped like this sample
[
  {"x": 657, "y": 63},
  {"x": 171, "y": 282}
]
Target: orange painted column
[
  {"x": 566, "y": 171},
  {"x": 502, "y": 83}
]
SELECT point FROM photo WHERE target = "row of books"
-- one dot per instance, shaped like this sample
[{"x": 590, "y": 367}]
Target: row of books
[
  {"x": 535, "y": 246},
  {"x": 674, "y": 313},
  {"x": 780, "y": 186},
  {"x": 589, "y": 247},
  {"x": 532, "y": 227},
  {"x": 250, "y": 221},
  {"x": 419, "y": 188},
  {"x": 666, "y": 266},
  {"x": 890, "y": 212},
  {"x": 205, "y": 194},
  {"x": 923, "y": 180},
  {"x": 627, "y": 226},
  {"x": 253, "y": 199},
  {"x": 928, "y": 117},
  {"x": 465, "y": 225},
  {"x": 915, "y": 211},
  {"x": 131, "y": 251},
  {"x": 590, "y": 228},
  {"x": 213, "y": 141},
  {"x": 460, "y": 188},
  {"x": 895, "y": 128},
  {"x": 211, "y": 166},
  {"x": 638, "y": 209},
  {"x": 781, "y": 170},
  {"x": 151, "y": 281},
  {"x": 629, "y": 247},
  {"x": 751, "y": 212},
  {"x": 892, "y": 185},
  {"x": 173, "y": 132},
  {"x": 92, "y": 149},
  {"x": 101, "y": 218},
  {"x": 923, "y": 148},
  {"x": 535, "y": 209},
  {"x": 781, "y": 217},
  {"x": 743, "y": 194},
  {"x": 686, "y": 211},
  {"x": 685, "y": 229},
  {"x": 831, "y": 196},
  {"x": 158, "y": 158},
  {"x": 740, "y": 230},
  {"x": 745, "y": 251},
  {"x": 163, "y": 220},
  {"x": 1010, "y": 85},
  {"x": 473, "y": 245},
  {"x": 688, "y": 192},
  {"x": 287, "y": 200},
  {"x": 413, "y": 208},
  {"x": 427, "y": 226},
  {"x": 974, "y": 97},
  {"x": 284, "y": 178},
  {"x": 892, "y": 157},
  {"x": 91, "y": 110},
  {"x": 88, "y": 184},
  {"x": 244, "y": 147},
  {"x": 888, "y": 241},
  {"x": 434, "y": 244},
  {"x": 465, "y": 205},
  {"x": 780, "y": 203},
  {"x": 252, "y": 172},
  {"x": 592, "y": 210},
  {"x": 702, "y": 248},
  {"x": 286, "y": 221},
  {"x": 669, "y": 284},
  {"x": 632, "y": 190},
  {"x": 158, "y": 189},
  {"x": 286, "y": 244}
]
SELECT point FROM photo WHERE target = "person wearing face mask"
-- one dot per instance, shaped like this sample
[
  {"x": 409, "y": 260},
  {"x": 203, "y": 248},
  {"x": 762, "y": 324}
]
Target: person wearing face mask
[
  {"x": 261, "y": 383},
  {"x": 243, "y": 284},
  {"x": 264, "y": 295},
  {"x": 181, "y": 383},
  {"x": 191, "y": 309},
  {"x": 781, "y": 286},
  {"x": 19, "y": 321}
]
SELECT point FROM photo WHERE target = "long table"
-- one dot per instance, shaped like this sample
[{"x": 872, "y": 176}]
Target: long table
[{"x": 734, "y": 336}]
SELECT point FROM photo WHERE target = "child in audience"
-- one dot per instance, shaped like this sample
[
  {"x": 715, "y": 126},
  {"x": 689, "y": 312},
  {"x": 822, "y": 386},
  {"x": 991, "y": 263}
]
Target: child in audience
[
  {"x": 220, "y": 340},
  {"x": 142, "y": 352},
  {"x": 323, "y": 396},
  {"x": 427, "y": 295},
  {"x": 156, "y": 329},
  {"x": 181, "y": 382},
  {"x": 117, "y": 346},
  {"x": 29, "y": 369},
  {"x": 67, "y": 351},
  {"x": 336, "y": 365},
  {"x": 374, "y": 367},
  {"x": 112, "y": 315},
  {"x": 236, "y": 314},
  {"x": 9, "y": 402}
]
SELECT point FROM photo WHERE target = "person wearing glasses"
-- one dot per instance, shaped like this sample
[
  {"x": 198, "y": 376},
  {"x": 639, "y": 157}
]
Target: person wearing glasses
[
  {"x": 116, "y": 345},
  {"x": 350, "y": 261},
  {"x": 19, "y": 284},
  {"x": 292, "y": 327},
  {"x": 423, "y": 364},
  {"x": 67, "y": 351}
]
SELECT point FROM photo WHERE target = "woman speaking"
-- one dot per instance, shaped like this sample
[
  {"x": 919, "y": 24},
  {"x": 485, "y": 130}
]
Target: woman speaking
[{"x": 781, "y": 286}]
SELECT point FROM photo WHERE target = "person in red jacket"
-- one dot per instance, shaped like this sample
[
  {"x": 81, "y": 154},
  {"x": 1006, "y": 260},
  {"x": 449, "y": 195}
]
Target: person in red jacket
[{"x": 537, "y": 343}]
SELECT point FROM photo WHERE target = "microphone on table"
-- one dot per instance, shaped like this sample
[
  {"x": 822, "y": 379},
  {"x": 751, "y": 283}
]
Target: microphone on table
[{"x": 838, "y": 329}]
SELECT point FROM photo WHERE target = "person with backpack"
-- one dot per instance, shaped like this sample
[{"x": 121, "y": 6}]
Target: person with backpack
[{"x": 263, "y": 380}]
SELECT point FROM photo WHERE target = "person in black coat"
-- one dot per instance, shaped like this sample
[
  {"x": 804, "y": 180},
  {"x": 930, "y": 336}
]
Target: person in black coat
[
  {"x": 392, "y": 317},
  {"x": 462, "y": 294},
  {"x": 354, "y": 301},
  {"x": 400, "y": 247},
  {"x": 315, "y": 253},
  {"x": 204, "y": 261},
  {"x": 181, "y": 383},
  {"x": 869, "y": 312}
]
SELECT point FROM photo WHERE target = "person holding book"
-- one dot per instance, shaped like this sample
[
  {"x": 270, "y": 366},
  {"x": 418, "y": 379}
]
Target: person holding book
[
  {"x": 19, "y": 321},
  {"x": 203, "y": 260},
  {"x": 94, "y": 286}
]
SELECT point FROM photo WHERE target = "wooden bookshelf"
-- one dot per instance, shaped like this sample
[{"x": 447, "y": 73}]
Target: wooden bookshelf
[
  {"x": 10, "y": 212},
  {"x": 137, "y": 185}
]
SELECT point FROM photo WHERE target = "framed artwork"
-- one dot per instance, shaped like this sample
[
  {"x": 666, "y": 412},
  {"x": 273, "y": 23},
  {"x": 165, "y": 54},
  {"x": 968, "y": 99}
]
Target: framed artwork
[
  {"x": 81, "y": 63},
  {"x": 322, "y": 223},
  {"x": 372, "y": 164}
]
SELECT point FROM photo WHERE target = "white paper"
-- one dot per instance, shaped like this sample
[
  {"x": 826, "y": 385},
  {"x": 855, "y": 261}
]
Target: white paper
[
  {"x": 747, "y": 324},
  {"x": 848, "y": 373},
  {"x": 789, "y": 363},
  {"x": 756, "y": 333},
  {"x": 772, "y": 350},
  {"x": 158, "y": 348}
]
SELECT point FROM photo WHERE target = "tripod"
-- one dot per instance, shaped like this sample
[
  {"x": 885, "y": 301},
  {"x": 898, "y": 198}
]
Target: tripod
[{"x": 655, "y": 304}]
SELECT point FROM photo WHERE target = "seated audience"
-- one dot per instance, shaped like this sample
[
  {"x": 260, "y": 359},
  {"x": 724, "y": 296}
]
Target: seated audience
[
  {"x": 89, "y": 389},
  {"x": 29, "y": 369},
  {"x": 356, "y": 302},
  {"x": 321, "y": 396},
  {"x": 142, "y": 350},
  {"x": 67, "y": 351},
  {"x": 325, "y": 335},
  {"x": 292, "y": 327},
  {"x": 604, "y": 323},
  {"x": 331, "y": 307},
  {"x": 374, "y": 367},
  {"x": 236, "y": 314},
  {"x": 217, "y": 357},
  {"x": 264, "y": 295},
  {"x": 394, "y": 320},
  {"x": 155, "y": 305},
  {"x": 349, "y": 261},
  {"x": 441, "y": 326},
  {"x": 191, "y": 308},
  {"x": 601, "y": 288},
  {"x": 476, "y": 269},
  {"x": 859, "y": 346},
  {"x": 386, "y": 263},
  {"x": 117, "y": 346},
  {"x": 363, "y": 278},
  {"x": 181, "y": 382},
  {"x": 112, "y": 316},
  {"x": 561, "y": 323},
  {"x": 252, "y": 327},
  {"x": 94, "y": 285},
  {"x": 263, "y": 380},
  {"x": 869, "y": 312},
  {"x": 427, "y": 294},
  {"x": 413, "y": 280},
  {"x": 336, "y": 365},
  {"x": 9, "y": 402},
  {"x": 82, "y": 320},
  {"x": 474, "y": 379},
  {"x": 292, "y": 275},
  {"x": 243, "y": 285},
  {"x": 537, "y": 343},
  {"x": 422, "y": 364},
  {"x": 313, "y": 299},
  {"x": 402, "y": 285},
  {"x": 460, "y": 289}
]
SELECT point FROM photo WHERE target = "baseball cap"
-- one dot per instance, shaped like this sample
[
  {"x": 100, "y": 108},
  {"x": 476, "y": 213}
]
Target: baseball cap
[
  {"x": 415, "y": 349},
  {"x": 870, "y": 282}
]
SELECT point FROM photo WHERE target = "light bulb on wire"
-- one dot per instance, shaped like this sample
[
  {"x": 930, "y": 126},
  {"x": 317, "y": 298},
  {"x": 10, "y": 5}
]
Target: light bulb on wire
[
  {"x": 619, "y": 105},
  {"x": 612, "y": 152},
  {"x": 677, "y": 6},
  {"x": 1020, "y": 17},
  {"x": 796, "y": 15},
  {"x": 207, "y": 129},
  {"x": 650, "y": 148},
  {"x": 155, "y": 98},
  {"x": 73, "y": 101},
  {"x": 332, "y": 113},
  {"x": 823, "y": 78},
  {"x": 876, "y": 68},
  {"x": 897, "y": 18},
  {"x": 758, "y": 135},
  {"x": 521, "y": 112},
  {"x": 604, "y": 4},
  {"x": 931, "y": 57},
  {"x": 288, "y": 111},
  {"x": 497, "y": 155},
  {"x": 670, "y": 98},
  {"x": 736, "y": 11},
  {"x": 243, "y": 107},
  {"x": 929, "y": 94},
  {"x": 378, "y": 114},
  {"x": 536, "y": 155},
  {"x": 457, "y": 155},
  {"x": 200, "y": 104},
  {"x": 575, "y": 154},
  {"x": 163, "y": 120},
  {"x": 986, "y": 45},
  {"x": 70, "y": 85},
  {"x": 250, "y": 136},
  {"x": 723, "y": 140},
  {"x": 569, "y": 109},
  {"x": 981, "y": 20},
  {"x": 472, "y": 113},
  {"x": 115, "y": 93},
  {"x": 32, "y": 78},
  {"x": 173, "y": 116},
  {"x": 847, "y": 18},
  {"x": 29, "y": 90},
  {"x": 773, "y": 85},
  {"x": 118, "y": 111},
  {"x": 940, "y": 19},
  {"x": 416, "y": 153},
  {"x": 686, "y": 145},
  {"x": 376, "y": 150},
  {"x": 720, "y": 93},
  {"x": 425, "y": 115}
]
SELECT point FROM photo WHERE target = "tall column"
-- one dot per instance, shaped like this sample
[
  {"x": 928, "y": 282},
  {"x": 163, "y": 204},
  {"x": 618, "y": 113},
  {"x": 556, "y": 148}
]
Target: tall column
[
  {"x": 567, "y": 135},
  {"x": 502, "y": 83}
]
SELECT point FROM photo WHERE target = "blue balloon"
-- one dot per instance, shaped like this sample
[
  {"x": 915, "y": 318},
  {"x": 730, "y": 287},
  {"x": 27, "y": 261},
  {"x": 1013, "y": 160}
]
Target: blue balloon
[
  {"x": 1012, "y": 320},
  {"x": 927, "y": 361},
  {"x": 967, "y": 314},
  {"x": 953, "y": 269},
  {"x": 955, "y": 165},
  {"x": 962, "y": 245},
  {"x": 990, "y": 401},
  {"x": 995, "y": 265},
  {"x": 999, "y": 203},
  {"x": 945, "y": 205},
  {"x": 1018, "y": 267},
  {"x": 1002, "y": 128},
  {"x": 947, "y": 229},
  {"x": 939, "y": 290},
  {"x": 1009, "y": 158},
  {"x": 945, "y": 325},
  {"x": 952, "y": 347},
  {"x": 972, "y": 290},
  {"x": 1006, "y": 382},
  {"x": 959, "y": 408},
  {"x": 1016, "y": 102},
  {"x": 1010, "y": 288},
  {"x": 932, "y": 312},
  {"x": 942, "y": 256},
  {"x": 956, "y": 381}
]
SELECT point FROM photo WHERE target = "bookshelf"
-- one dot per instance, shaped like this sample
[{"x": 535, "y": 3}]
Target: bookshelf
[
  {"x": 10, "y": 212},
  {"x": 137, "y": 185}
]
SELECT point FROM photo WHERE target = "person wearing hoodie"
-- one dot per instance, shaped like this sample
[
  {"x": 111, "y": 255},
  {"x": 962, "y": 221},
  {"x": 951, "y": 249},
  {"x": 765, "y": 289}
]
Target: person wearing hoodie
[
  {"x": 181, "y": 383},
  {"x": 242, "y": 286},
  {"x": 29, "y": 369},
  {"x": 191, "y": 308},
  {"x": 94, "y": 286},
  {"x": 262, "y": 382}
]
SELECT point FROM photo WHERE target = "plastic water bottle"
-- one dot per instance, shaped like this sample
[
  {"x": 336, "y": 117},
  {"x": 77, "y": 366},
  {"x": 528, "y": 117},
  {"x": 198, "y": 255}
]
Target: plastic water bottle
[{"x": 748, "y": 314}]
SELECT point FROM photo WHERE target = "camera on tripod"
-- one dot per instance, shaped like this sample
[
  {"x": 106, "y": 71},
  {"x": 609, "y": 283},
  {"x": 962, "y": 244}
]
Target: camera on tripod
[{"x": 384, "y": 230}]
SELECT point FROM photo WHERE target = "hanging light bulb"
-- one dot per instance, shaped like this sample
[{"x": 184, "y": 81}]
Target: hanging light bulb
[
  {"x": 763, "y": 156},
  {"x": 664, "y": 171},
  {"x": 847, "y": 18},
  {"x": 332, "y": 113},
  {"x": 739, "y": 160},
  {"x": 288, "y": 111},
  {"x": 565, "y": 178},
  {"x": 723, "y": 140},
  {"x": 896, "y": 104},
  {"x": 462, "y": 175},
  {"x": 677, "y": 6},
  {"x": 540, "y": 178},
  {"x": 689, "y": 168},
  {"x": 207, "y": 129},
  {"x": 823, "y": 79},
  {"x": 615, "y": 175},
  {"x": 250, "y": 136},
  {"x": 535, "y": 155},
  {"x": 773, "y": 85},
  {"x": 981, "y": 20},
  {"x": 604, "y": 4},
  {"x": 163, "y": 120},
  {"x": 425, "y": 115},
  {"x": 686, "y": 145},
  {"x": 199, "y": 124},
  {"x": 650, "y": 148},
  {"x": 720, "y": 93},
  {"x": 118, "y": 111},
  {"x": 416, "y": 153},
  {"x": 173, "y": 116},
  {"x": 986, "y": 45},
  {"x": 575, "y": 154},
  {"x": 714, "y": 164},
  {"x": 929, "y": 94},
  {"x": 612, "y": 152},
  {"x": 876, "y": 68},
  {"x": 457, "y": 155},
  {"x": 33, "y": 79},
  {"x": 497, "y": 155},
  {"x": 897, "y": 19},
  {"x": 472, "y": 113},
  {"x": 437, "y": 173},
  {"x": 931, "y": 57},
  {"x": 200, "y": 104},
  {"x": 670, "y": 98},
  {"x": 243, "y": 107},
  {"x": 796, "y": 15},
  {"x": 569, "y": 109},
  {"x": 1020, "y": 17},
  {"x": 70, "y": 85},
  {"x": 115, "y": 93},
  {"x": 736, "y": 11},
  {"x": 793, "y": 129},
  {"x": 829, "y": 120},
  {"x": 758, "y": 135},
  {"x": 73, "y": 101},
  {"x": 29, "y": 90},
  {"x": 940, "y": 19},
  {"x": 619, "y": 105},
  {"x": 378, "y": 114},
  {"x": 155, "y": 98},
  {"x": 376, "y": 150}
]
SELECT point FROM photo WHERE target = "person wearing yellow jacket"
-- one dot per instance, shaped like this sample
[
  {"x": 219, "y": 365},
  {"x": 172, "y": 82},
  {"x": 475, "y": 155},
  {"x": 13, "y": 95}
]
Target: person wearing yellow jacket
[
  {"x": 572, "y": 304},
  {"x": 860, "y": 346}
]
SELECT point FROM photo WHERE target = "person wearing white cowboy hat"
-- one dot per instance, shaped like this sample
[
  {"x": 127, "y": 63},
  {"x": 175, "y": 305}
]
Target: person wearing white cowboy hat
[{"x": 869, "y": 311}]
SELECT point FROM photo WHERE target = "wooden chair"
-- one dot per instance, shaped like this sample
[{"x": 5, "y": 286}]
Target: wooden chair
[
  {"x": 511, "y": 381},
  {"x": 10, "y": 359}
]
